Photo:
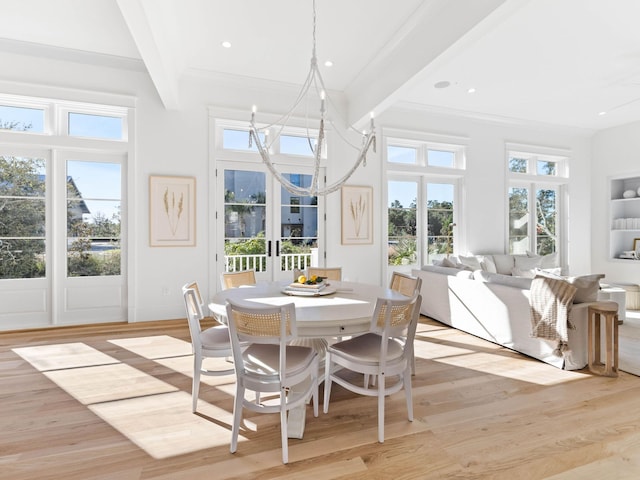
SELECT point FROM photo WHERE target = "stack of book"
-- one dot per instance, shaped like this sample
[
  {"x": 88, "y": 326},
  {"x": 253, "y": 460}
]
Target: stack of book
[{"x": 306, "y": 287}]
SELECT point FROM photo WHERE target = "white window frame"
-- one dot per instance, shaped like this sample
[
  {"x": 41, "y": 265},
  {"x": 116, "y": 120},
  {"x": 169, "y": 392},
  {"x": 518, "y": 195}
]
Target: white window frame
[
  {"x": 56, "y": 142},
  {"x": 534, "y": 181},
  {"x": 423, "y": 173}
]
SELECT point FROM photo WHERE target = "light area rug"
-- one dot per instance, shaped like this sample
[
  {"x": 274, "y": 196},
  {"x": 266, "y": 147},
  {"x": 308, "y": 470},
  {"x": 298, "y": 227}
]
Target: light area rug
[{"x": 629, "y": 343}]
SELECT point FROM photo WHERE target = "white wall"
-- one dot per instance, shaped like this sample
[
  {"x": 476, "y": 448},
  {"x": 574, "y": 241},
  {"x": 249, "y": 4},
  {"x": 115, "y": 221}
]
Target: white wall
[
  {"x": 177, "y": 143},
  {"x": 616, "y": 151}
]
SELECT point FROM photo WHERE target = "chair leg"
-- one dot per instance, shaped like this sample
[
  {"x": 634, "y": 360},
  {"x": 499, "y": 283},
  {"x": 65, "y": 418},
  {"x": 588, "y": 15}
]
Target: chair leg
[
  {"x": 381, "y": 387},
  {"x": 314, "y": 379},
  {"x": 237, "y": 416},
  {"x": 327, "y": 382},
  {"x": 283, "y": 427},
  {"x": 195, "y": 385},
  {"x": 408, "y": 393}
]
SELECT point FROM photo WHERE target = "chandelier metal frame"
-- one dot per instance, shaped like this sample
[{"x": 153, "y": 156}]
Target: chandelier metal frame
[{"x": 313, "y": 81}]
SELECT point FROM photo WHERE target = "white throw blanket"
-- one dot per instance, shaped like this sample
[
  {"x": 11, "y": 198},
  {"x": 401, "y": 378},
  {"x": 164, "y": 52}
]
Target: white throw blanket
[{"x": 550, "y": 301}]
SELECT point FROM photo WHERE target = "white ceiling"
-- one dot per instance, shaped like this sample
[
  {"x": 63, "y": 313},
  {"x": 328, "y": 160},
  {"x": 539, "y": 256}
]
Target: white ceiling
[{"x": 559, "y": 62}]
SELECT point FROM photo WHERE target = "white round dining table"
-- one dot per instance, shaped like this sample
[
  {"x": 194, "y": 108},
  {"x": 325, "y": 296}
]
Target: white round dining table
[{"x": 345, "y": 312}]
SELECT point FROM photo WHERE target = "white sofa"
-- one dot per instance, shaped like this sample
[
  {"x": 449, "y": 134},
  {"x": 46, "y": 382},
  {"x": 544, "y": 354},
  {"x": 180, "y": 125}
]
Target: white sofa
[{"x": 496, "y": 307}]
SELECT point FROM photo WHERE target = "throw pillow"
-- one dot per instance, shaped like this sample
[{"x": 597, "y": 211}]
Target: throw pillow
[
  {"x": 487, "y": 263},
  {"x": 448, "y": 263},
  {"x": 472, "y": 262},
  {"x": 587, "y": 285},
  {"x": 551, "y": 260},
  {"x": 504, "y": 264}
]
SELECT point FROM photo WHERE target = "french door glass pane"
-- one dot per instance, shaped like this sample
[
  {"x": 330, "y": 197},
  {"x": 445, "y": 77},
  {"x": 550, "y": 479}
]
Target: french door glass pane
[
  {"x": 547, "y": 214},
  {"x": 402, "y": 198},
  {"x": 440, "y": 211},
  {"x": 22, "y": 217},
  {"x": 298, "y": 225},
  {"x": 518, "y": 220},
  {"x": 245, "y": 210},
  {"x": 93, "y": 218}
]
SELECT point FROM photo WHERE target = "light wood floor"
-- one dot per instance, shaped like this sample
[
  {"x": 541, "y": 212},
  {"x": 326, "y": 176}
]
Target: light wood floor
[{"x": 113, "y": 402}]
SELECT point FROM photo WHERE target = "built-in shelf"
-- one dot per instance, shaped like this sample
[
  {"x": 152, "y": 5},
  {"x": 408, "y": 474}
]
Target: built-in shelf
[{"x": 624, "y": 217}]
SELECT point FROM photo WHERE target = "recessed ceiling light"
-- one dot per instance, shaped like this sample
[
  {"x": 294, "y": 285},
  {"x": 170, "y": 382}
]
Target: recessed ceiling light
[
  {"x": 442, "y": 84},
  {"x": 471, "y": 90},
  {"x": 602, "y": 113},
  {"x": 226, "y": 44},
  {"x": 328, "y": 63}
]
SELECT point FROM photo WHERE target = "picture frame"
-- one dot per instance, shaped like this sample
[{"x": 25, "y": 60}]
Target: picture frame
[
  {"x": 636, "y": 246},
  {"x": 357, "y": 215},
  {"x": 172, "y": 211}
]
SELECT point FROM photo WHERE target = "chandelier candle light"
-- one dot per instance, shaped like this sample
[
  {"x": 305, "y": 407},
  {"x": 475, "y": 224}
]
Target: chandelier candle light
[{"x": 314, "y": 79}]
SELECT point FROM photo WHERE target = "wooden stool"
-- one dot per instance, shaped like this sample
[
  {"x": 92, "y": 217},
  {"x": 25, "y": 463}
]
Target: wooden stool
[{"x": 610, "y": 312}]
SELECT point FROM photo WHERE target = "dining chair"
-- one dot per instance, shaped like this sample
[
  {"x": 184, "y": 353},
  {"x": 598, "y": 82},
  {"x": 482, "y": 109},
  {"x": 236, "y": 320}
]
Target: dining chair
[
  {"x": 385, "y": 352},
  {"x": 212, "y": 342},
  {"x": 266, "y": 363},
  {"x": 330, "y": 273},
  {"x": 405, "y": 284},
  {"x": 238, "y": 279}
]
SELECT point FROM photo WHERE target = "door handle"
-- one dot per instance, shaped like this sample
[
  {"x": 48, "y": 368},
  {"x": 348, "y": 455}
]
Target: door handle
[
  {"x": 277, "y": 248},
  {"x": 269, "y": 248}
]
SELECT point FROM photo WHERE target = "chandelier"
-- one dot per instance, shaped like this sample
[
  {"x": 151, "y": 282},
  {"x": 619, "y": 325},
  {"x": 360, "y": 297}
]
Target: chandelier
[{"x": 313, "y": 86}]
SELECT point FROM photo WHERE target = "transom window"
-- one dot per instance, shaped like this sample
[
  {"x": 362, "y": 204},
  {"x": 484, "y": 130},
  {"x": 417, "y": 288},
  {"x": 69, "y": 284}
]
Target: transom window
[
  {"x": 424, "y": 153},
  {"x": 535, "y": 164},
  {"x": 291, "y": 141}
]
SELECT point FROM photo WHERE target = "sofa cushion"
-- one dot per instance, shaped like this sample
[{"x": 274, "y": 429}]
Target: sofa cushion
[
  {"x": 527, "y": 263},
  {"x": 517, "y": 282},
  {"x": 448, "y": 271}
]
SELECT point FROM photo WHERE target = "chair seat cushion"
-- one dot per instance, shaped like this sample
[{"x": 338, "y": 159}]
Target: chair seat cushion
[
  {"x": 216, "y": 338},
  {"x": 264, "y": 359},
  {"x": 366, "y": 349}
]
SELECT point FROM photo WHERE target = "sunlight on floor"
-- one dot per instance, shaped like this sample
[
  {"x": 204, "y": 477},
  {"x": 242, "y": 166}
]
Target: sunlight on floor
[
  {"x": 66, "y": 355},
  {"x": 107, "y": 383},
  {"x": 163, "y": 425},
  {"x": 485, "y": 357},
  {"x": 153, "y": 347},
  {"x": 153, "y": 414}
]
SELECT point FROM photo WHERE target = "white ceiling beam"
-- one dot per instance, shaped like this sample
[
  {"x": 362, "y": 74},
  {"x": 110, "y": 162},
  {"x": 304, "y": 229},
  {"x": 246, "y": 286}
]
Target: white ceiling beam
[
  {"x": 423, "y": 44},
  {"x": 155, "y": 55}
]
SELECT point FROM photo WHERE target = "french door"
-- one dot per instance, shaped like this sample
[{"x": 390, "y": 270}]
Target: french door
[
  {"x": 61, "y": 249},
  {"x": 261, "y": 226}
]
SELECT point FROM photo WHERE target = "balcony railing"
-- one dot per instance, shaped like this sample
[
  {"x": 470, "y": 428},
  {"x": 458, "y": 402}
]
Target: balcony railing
[{"x": 258, "y": 262}]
